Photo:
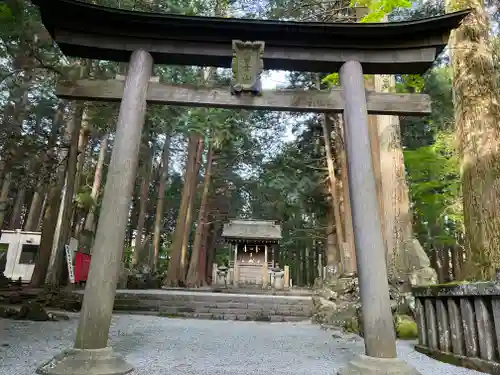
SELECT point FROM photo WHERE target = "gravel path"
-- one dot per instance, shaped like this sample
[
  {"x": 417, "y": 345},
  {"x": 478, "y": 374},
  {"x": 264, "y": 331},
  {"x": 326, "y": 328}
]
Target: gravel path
[{"x": 159, "y": 346}]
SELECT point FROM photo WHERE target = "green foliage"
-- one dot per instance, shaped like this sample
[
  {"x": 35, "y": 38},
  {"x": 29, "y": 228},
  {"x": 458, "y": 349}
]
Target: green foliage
[
  {"x": 433, "y": 174},
  {"x": 6, "y": 15},
  {"x": 84, "y": 200},
  {"x": 378, "y": 9},
  {"x": 410, "y": 83},
  {"x": 331, "y": 80}
]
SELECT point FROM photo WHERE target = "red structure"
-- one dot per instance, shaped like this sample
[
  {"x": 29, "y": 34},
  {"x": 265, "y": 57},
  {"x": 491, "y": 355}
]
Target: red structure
[{"x": 82, "y": 265}]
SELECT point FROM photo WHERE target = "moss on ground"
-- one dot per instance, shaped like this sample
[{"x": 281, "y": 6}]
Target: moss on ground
[{"x": 406, "y": 328}]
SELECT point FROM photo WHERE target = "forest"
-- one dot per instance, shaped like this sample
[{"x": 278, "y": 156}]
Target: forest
[{"x": 201, "y": 167}]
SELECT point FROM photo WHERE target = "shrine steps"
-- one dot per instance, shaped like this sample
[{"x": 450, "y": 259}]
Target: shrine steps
[{"x": 218, "y": 306}]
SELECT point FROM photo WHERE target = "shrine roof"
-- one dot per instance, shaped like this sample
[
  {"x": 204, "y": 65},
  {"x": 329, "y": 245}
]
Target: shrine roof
[
  {"x": 252, "y": 230},
  {"x": 98, "y": 32}
]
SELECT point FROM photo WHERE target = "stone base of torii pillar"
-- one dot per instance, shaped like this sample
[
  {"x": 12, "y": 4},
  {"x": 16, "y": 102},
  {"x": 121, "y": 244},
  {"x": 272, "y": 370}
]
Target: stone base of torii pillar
[
  {"x": 365, "y": 365},
  {"x": 86, "y": 362}
]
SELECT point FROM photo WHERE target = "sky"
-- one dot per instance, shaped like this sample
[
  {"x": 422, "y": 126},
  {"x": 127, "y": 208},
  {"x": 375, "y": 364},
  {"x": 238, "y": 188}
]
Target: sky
[{"x": 272, "y": 80}]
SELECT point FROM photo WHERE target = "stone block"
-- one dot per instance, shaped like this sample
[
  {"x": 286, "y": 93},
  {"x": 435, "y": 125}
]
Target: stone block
[{"x": 365, "y": 365}]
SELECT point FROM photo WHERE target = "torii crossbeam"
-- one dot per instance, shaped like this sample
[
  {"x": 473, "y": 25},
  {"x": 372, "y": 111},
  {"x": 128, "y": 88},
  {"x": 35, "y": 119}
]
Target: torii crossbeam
[{"x": 276, "y": 100}]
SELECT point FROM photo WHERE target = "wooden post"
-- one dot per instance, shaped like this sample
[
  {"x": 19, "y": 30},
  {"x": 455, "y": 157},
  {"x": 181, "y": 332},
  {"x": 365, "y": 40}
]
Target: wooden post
[
  {"x": 265, "y": 273},
  {"x": 92, "y": 336},
  {"x": 91, "y": 342},
  {"x": 236, "y": 274},
  {"x": 379, "y": 335},
  {"x": 320, "y": 267},
  {"x": 214, "y": 273},
  {"x": 286, "y": 276},
  {"x": 380, "y": 340},
  {"x": 101, "y": 288}
]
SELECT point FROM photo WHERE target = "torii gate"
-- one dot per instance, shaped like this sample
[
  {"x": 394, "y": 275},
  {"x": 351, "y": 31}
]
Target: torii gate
[{"x": 96, "y": 32}]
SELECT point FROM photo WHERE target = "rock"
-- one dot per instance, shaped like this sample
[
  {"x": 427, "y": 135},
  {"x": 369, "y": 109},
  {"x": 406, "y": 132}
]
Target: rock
[
  {"x": 57, "y": 298},
  {"x": 15, "y": 299},
  {"x": 33, "y": 311},
  {"x": 413, "y": 256},
  {"x": 414, "y": 264},
  {"x": 401, "y": 302},
  {"x": 423, "y": 276},
  {"x": 56, "y": 317},
  {"x": 335, "y": 300},
  {"x": 4, "y": 281},
  {"x": 323, "y": 310},
  {"x": 7, "y": 312},
  {"x": 142, "y": 278},
  {"x": 123, "y": 277}
]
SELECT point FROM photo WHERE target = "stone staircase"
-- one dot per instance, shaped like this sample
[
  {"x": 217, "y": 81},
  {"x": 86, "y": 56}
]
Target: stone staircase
[{"x": 205, "y": 305}]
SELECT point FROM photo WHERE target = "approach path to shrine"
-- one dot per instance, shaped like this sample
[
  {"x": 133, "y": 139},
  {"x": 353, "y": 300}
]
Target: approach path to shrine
[{"x": 159, "y": 346}]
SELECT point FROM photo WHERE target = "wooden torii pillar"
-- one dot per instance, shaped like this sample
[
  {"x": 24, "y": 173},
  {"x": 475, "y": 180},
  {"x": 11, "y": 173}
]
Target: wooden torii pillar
[
  {"x": 119, "y": 35},
  {"x": 380, "y": 340}
]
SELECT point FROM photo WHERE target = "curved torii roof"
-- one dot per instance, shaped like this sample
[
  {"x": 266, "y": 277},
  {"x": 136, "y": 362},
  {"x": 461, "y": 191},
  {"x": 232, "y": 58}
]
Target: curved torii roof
[
  {"x": 252, "y": 230},
  {"x": 91, "y": 31}
]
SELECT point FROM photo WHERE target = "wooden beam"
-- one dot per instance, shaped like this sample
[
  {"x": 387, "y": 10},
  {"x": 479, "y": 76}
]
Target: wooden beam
[
  {"x": 280, "y": 100},
  {"x": 405, "y": 60}
]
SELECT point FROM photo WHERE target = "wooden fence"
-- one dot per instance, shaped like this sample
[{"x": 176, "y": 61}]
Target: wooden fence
[{"x": 460, "y": 324}]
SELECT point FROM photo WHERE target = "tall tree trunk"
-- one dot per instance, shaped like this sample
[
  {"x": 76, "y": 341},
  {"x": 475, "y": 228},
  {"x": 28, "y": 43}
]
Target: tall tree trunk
[
  {"x": 57, "y": 259},
  {"x": 327, "y": 129},
  {"x": 133, "y": 216},
  {"x": 456, "y": 255},
  {"x": 189, "y": 216},
  {"x": 96, "y": 185},
  {"x": 35, "y": 211},
  {"x": 349, "y": 253},
  {"x": 173, "y": 273},
  {"x": 195, "y": 277},
  {"x": 346, "y": 207},
  {"x": 161, "y": 199},
  {"x": 83, "y": 141},
  {"x": 331, "y": 248},
  {"x": 15, "y": 111},
  {"x": 17, "y": 209},
  {"x": 396, "y": 202},
  {"x": 49, "y": 218},
  {"x": 212, "y": 240},
  {"x": 375, "y": 151},
  {"x": 48, "y": 229},
  {"x": 42, "y": 213},
  {"x": 477, "y": 121},
  {"x": 46, "y": 163},
  {"x": 140, "y": 255},
  {"x": 4, "y": 196}
]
